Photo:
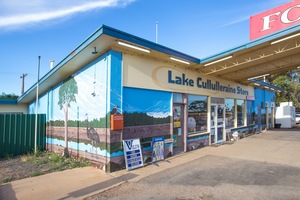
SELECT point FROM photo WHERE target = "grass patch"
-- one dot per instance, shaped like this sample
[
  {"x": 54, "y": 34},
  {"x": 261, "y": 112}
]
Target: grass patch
[
  {"x": 6, "y": 180},
  {"x": 33, "y": 174},
  {"x": 57, "y": 162}
]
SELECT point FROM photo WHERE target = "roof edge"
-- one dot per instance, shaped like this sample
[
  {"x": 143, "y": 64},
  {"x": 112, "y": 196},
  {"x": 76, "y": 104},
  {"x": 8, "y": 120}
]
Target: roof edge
[
  {"x": 104, "y": 29},
  {"x": 9, "y": 101}
]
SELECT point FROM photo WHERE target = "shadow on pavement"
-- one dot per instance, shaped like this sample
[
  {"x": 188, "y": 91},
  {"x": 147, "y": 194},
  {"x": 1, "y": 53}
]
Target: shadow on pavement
[
  {"x": 296, "y": 128},
  {"x": 9, "y": 192},
  {"x": 99, "y": 186}
]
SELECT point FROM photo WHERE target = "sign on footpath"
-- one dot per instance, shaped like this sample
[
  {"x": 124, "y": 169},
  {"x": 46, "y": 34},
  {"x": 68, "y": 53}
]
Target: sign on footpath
[
  {"x": 133, "y": 154},
  {"x": 158, "y": 149}
]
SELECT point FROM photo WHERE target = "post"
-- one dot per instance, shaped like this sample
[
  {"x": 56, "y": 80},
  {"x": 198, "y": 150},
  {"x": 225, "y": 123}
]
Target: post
[
  {"x": 156, "y": 32},
  {"x": 36, "y": 107},
  {"x": 23, "y": 82}
]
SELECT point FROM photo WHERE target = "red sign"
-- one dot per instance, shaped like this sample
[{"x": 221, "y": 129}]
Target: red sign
[{"x": 275, "y": 19}]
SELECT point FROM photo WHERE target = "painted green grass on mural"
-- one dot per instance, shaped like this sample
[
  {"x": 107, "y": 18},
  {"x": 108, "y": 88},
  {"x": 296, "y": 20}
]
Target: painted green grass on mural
[
  {"x": 103, "y": 122},
  {"x": 142, "y": 119}
]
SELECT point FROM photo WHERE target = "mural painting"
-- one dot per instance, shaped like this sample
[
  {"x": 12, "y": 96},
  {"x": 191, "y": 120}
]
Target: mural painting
[{"x": 147, "y": 114}]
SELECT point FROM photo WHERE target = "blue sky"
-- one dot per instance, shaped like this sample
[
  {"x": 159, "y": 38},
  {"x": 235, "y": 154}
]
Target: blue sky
[{"x": 53, "y": 29}]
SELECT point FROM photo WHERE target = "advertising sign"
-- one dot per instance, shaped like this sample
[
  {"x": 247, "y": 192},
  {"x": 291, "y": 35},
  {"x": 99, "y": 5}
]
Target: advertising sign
[
  {"x": 158, "y": 150},
  {"x": 275, "y": 19},
  {"x": 117, "y": 122},
  {"x": 133, "y": 153},
  {"x": 163, "y": 77}
]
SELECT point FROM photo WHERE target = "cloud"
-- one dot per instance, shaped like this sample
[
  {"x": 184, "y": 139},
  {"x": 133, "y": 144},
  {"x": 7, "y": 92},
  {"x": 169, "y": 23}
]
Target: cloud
[
  {"x": 16, "y": 13},
  {"x": 236, "y": 21}
]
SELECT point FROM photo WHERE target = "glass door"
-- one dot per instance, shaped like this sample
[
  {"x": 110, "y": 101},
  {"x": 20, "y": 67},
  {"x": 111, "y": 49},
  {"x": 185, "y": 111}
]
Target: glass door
[
  {"x": 178, "y": 128},
  {"x": 217, "y": 123}
]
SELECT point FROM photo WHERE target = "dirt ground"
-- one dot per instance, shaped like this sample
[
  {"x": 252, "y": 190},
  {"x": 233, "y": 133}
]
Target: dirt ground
[
  {"x": 25, "y": 166},
  {"x": 15, "y": 169}
]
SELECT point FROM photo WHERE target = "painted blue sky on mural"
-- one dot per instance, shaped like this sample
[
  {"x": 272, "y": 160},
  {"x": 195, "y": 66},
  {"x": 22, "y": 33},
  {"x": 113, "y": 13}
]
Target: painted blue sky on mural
[{"x": 154, "y": 103}]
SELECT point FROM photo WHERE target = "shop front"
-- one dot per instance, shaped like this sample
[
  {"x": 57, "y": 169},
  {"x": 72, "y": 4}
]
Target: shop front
[
  {"x": 204, "y": 109},
  {"x": 122, "y": 95}
]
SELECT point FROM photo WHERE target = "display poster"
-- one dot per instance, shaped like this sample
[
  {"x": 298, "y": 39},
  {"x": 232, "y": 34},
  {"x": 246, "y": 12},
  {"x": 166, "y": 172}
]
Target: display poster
[
  {"x": 133, "y": 154},
  {"x": 174, "y": 140},
  {"x": 158, "y": 149}
]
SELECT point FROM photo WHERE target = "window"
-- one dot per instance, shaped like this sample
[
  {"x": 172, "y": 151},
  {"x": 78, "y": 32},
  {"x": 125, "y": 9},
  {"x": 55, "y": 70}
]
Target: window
[
  {"x": 240, "y": 112},
  {"x": 263, "y": 114},
  {"x": 197, "y": 114},
  {"x": 270, "y": 115},
  {"x": 229, "y": 121},
  {"x": 177, "y": 98},
  {"x": 250, "y": 113}
]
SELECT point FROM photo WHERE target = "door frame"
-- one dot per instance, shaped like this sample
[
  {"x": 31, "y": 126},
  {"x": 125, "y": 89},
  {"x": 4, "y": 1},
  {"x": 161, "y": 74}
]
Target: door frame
[
  {"x": 215, "y": 124},
  {"x": 183, "y": 124}
]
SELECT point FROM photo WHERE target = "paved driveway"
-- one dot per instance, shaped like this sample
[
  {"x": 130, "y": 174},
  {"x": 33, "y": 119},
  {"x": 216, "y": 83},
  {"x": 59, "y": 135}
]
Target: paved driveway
[{"x": 263, "y": 166}]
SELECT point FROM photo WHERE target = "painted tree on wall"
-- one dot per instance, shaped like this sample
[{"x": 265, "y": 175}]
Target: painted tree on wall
[{"x": 66, "y": 95}]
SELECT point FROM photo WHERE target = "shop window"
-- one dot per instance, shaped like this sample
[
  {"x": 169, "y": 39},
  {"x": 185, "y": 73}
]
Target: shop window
[
  {"x": 250, "y": 113},
  {"x": 240, "y": 112},
  {"x": 229, "y": 121},
  {"x": 197, "y": 114},
  {"x": 263, "y": 114},
  {"x": 270, "y": 115}
]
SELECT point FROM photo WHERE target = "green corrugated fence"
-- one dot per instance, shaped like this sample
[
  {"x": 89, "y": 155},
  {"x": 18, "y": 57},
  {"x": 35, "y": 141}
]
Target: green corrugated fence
[{"x": 17, "y": 132}]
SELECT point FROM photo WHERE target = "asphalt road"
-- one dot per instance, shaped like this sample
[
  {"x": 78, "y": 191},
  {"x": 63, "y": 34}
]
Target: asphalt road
[{"x": 263, "y": 166}]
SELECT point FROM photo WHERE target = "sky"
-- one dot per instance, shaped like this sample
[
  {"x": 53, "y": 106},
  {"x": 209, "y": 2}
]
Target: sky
[{"x": 53, "y": 29}]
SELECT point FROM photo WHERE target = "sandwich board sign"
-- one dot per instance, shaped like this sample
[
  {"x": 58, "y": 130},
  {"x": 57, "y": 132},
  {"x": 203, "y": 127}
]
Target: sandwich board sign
[
  {"x": 133, "y": 154},
  {"x": 158, "y": 149}
]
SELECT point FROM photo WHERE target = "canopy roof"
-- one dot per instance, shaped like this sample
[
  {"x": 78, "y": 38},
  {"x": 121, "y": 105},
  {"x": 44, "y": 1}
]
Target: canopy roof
[{"x": 274, "y": 53}]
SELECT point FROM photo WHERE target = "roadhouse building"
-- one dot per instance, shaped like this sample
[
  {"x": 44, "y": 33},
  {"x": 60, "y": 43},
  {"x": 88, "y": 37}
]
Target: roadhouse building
[{"x": 116, "y": 86}]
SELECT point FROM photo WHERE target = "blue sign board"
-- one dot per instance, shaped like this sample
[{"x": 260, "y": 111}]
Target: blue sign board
[{"x": 133, "y": 153}]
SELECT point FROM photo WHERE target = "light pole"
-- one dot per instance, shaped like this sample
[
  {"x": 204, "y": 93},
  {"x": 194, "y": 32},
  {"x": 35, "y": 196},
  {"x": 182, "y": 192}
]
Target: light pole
[{"x": 36, "y": 107}]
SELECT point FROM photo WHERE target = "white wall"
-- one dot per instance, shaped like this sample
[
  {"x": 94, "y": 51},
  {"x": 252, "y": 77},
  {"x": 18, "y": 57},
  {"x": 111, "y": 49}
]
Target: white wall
[{"x": 13, "y": 108}]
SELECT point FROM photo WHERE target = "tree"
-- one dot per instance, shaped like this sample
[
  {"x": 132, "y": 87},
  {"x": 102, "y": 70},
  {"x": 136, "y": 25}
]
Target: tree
[
  {"x": 289, "y": 82},
  {"x": 66, "y": 95},
  {"x": 8, "y": 96}
]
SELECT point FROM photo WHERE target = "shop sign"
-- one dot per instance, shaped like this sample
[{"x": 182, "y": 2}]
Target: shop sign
[
  {"x": 275, "y": 19},
  {"x": 158, "y": 149},
  {"x": 133, "y": 154},
  {"x": 250, "y": 98},
  {"x": 207, "y": 84}
]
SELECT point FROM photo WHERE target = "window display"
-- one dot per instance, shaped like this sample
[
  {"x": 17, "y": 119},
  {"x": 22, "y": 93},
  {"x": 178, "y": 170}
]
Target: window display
[
  {"x": 197, "y": 114},
  {"x": 229, "y": 104},
  {"x": 240, "y": 112}
]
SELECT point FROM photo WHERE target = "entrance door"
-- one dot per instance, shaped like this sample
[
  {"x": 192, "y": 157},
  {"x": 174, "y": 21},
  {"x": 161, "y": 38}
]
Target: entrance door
[
  {"x": 217, "y": 123},
  {"x": 178, "y": 128}
]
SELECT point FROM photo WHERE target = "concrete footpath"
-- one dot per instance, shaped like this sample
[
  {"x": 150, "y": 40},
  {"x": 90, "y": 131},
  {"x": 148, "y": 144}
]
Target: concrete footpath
[{"x": 280, "y": 146}]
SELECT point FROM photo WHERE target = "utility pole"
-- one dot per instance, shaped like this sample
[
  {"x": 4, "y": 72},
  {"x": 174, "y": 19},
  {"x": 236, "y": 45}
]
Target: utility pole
[
  {"x": 156, "y": 32},
  {"x": 37, "y": 106},
  {"x": 23, "y": 82}
]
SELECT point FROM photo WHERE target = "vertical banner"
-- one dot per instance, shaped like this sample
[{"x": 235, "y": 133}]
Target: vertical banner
[
  {"x": 158, "y": 149},
  {"x": 133, "y": 154}
]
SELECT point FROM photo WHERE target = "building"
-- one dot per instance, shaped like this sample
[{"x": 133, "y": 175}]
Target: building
[{"x": 116, "y": 86}]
